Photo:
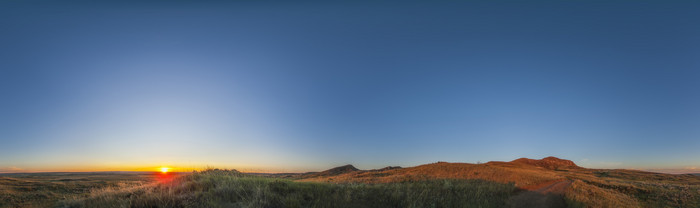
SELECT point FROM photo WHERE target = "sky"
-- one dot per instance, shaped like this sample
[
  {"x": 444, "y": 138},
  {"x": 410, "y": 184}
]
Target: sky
[{"x": 266, "y": 86}]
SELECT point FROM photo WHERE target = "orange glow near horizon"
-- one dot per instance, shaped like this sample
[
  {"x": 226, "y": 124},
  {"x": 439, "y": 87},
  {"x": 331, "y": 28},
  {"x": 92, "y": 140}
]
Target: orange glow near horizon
[{"x": 158, "y": 168}]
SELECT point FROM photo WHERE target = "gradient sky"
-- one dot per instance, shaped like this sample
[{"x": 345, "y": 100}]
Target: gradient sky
[{"x": 272, "y": 86}]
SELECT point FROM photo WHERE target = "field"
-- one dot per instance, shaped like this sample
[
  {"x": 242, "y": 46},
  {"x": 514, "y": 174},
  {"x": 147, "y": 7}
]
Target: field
[
  {"x": 45, "y": 189},
  {"x": 230, "y": 188},
  {"x": 549, "y": 182},
  {"x": 589, "y": 187}
]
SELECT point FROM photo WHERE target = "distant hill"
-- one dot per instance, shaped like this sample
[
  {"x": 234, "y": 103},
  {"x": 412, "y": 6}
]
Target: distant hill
[
  {"x": 332, "y": 172},
  {"x": 522, "y": 171},
  {"x": 540, "y": 178},
  {"x": 551, "y": 163}
]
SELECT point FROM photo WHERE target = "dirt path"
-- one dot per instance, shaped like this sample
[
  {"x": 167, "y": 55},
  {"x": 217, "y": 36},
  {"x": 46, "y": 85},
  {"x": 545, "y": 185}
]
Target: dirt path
[
  {"x": 555, "y": 188},
  {"x": 550, "y": 194}
]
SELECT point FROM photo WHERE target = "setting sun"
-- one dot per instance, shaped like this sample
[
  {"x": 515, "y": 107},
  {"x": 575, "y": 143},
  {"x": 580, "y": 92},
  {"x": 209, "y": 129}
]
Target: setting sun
[{"x": 164, "y": 169}]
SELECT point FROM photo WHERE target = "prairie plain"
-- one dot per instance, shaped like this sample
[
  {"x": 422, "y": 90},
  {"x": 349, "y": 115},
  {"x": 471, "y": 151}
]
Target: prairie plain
[{"x": 548, "y": 182}]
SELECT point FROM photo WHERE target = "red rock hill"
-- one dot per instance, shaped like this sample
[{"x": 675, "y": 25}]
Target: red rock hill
[{"x": 551, "y": 163}]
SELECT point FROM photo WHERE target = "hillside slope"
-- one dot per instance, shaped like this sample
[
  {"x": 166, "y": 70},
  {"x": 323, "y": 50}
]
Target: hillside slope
[{"x": 550, "y": 175}]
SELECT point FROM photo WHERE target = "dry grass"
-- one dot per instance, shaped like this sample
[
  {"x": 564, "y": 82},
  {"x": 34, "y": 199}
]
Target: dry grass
[
  {"x": 503, "y": 173},
  {"x": 648, "y": 189},
  {"x": 221, "y": 188},
  {"x": 494, "y": 184},
  {"x": 594, "y": 196},
  {"x": 44, "y": 189},
  {"x": 592, "y": 187}
]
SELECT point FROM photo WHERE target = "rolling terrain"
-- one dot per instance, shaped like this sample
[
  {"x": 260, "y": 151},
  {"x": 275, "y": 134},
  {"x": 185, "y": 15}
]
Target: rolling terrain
[
  {"x": 548, "y": 179},
  {"x": 547, "y": 182},
  {"x": 45, "y": 189}
]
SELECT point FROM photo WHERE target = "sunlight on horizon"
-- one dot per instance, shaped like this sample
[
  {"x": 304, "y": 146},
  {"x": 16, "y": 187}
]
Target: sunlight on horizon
[{"x": 296, "y": 91}]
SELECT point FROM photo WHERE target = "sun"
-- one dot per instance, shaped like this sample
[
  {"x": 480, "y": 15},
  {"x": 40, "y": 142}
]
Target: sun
[{"x": 164, "y": 169}]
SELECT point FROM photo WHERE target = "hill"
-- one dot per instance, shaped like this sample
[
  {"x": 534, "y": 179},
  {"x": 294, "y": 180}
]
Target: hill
[
  {"x": 559, "y": 177},
  {"x": 331, "y": 172},
  {"x": 551, "y": 163},
  {"x": 523, "y": 172},
  {"x": 547, "y": 182}
]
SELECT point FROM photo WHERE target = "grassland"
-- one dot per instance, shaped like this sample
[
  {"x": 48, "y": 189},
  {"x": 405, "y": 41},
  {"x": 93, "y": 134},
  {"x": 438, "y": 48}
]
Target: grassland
[
  {"x": 523, "y": 183},
  {"x": 229, "y": 188},
  {"x": 45, "y": 189},
  {"x": 586, "y": 187}
]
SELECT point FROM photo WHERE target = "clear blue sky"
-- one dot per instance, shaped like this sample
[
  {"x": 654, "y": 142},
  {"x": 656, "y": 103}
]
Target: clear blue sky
[{"x": 273, "y": 86}]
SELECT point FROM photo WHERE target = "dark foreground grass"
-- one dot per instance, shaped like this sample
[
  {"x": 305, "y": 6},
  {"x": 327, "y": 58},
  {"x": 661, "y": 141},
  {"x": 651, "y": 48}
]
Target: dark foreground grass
[
  {"x": 45, "y": 189},
  {"x": 229, "y": 188}
]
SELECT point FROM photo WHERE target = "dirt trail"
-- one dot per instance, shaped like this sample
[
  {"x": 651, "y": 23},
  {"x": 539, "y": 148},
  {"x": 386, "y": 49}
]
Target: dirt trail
[
  {"x": 549, "y": 194},
  {"x": 555, "y": 188}
]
